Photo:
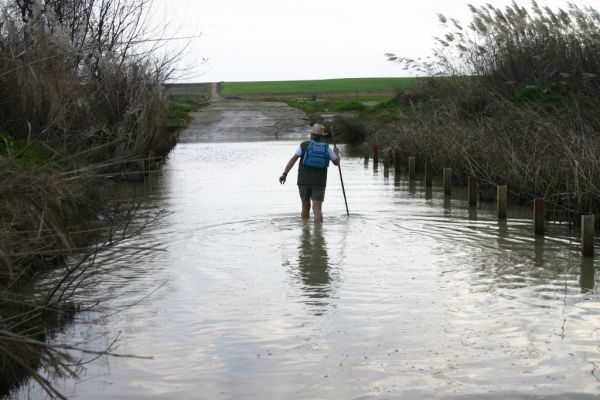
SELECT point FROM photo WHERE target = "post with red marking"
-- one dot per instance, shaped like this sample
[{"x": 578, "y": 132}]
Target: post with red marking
[
  {"x": 538, "y": 215},
  {"x": 375, "y": 153},
  {"x": 472, "y": 191},
  {"x": 587, "y": 235},
  {"x": 428, "y": 173}
]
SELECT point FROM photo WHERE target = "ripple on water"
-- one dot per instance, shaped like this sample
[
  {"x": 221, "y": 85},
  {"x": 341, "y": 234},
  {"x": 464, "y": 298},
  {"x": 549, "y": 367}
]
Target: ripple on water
[{"x": 412, "y": 296}]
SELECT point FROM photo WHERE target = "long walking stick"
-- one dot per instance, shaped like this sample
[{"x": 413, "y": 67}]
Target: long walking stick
[{"x": 340, "y": 169}]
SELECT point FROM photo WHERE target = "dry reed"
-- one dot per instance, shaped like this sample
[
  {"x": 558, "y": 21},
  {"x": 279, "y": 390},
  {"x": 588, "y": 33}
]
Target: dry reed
[
  {"x": 82, "y": 96},
  {"x": 512, "y": 102}
]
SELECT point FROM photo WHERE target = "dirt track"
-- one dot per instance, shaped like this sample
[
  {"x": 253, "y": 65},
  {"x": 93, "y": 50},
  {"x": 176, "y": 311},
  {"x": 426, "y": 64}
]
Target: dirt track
[{"x": 236, "y": 120}]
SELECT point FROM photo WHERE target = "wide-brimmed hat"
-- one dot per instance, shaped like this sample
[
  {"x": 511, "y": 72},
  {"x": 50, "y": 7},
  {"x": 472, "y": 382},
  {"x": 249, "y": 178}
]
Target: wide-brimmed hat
[{"x": 318, "y": 129}]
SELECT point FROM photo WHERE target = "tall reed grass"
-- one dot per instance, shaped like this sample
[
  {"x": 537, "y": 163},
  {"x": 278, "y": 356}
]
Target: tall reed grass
[
  {"x": 513, "y": 101},
  {"x": 95, "y": 93},
  {"x": 82, "y": 98}
]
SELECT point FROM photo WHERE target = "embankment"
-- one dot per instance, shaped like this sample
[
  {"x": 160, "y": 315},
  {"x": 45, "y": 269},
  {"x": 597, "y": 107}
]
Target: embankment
[{"x": 69, "y": 127}]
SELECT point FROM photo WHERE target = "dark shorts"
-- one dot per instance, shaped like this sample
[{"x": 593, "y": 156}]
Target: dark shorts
[{"x": 308, "y": 192}]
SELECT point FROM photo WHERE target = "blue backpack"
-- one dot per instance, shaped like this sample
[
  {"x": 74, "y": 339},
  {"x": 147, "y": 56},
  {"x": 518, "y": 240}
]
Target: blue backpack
[{"x": 317, "y": 155}]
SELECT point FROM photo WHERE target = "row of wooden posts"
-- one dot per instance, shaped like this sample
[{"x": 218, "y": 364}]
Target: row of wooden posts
[{"x": 587, "y": 221}]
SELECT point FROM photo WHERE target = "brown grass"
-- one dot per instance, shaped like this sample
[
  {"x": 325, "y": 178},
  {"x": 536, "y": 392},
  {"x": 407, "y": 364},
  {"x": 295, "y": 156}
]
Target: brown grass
[
  {"x": 82, "y": 99},
  {"x": 516, "y": 106}
]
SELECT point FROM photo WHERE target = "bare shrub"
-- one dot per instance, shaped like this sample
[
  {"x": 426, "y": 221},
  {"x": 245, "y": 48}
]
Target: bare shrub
[
  {"x": 50, "y": 217},
  {"x": 85, "y": 86},
  {"x": 82, "y": 94},
  {"x": 349, "y": 130}
]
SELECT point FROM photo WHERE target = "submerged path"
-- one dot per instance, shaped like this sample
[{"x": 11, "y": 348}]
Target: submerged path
[
  {"x": 415, "y": 296},
  {"x": 233, "y": 120}
]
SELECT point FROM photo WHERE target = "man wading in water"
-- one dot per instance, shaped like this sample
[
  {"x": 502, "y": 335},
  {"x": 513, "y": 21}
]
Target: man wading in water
[{"x": 314, "y": 158}]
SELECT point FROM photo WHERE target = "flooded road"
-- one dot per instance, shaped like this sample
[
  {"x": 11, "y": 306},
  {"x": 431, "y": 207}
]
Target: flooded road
[{"x": 411, "y": 297}]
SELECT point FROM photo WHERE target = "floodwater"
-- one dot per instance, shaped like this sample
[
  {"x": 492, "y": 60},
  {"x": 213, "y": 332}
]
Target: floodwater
[{"x": 411, "y": 297}]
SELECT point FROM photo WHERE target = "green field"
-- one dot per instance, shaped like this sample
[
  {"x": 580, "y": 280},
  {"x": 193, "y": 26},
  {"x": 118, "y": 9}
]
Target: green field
[{"x": 316, "y": 86}]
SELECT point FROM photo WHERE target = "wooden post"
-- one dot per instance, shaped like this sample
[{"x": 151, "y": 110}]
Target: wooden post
[
  {"x": 366, "y": 151},
  {"x": 502, "y": 200},
  {"x": 411, "y": 167},
  {"x": 472, "y": 191},
  {"x": 538, "y": 215},
  {"x": 428, "y": 173},
  {"x": 447, "y": 181},
  {"x": 587, "y": 235},
  {"x": 375, "y": 153},
  {"x": 386, "y": 158},
  {"x": 397, "y": 160}
]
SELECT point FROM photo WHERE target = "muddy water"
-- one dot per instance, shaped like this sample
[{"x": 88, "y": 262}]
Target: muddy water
[{"x": 412, "y": 296}]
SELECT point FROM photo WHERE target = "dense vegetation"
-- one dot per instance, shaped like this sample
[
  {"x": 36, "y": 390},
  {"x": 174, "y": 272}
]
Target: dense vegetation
[
  {"x": 518, "y": 106},
  {"x": 82, "y": 103}
]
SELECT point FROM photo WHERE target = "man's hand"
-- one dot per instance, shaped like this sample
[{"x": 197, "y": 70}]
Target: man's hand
[
  {"x": 336, "y": 151},
  {"x": 282, "y": 178}
]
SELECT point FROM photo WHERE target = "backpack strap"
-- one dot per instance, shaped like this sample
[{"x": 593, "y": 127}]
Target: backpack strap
[{"x": 303, "y": 147}]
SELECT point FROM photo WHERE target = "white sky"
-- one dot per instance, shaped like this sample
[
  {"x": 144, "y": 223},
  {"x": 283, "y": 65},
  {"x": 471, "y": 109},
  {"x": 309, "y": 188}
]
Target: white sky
[{"x": 252, "y": 40}]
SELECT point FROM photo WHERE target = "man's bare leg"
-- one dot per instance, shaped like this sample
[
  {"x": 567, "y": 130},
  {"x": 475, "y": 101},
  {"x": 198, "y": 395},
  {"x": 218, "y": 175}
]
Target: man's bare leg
[
  {"x": 305, "y": 209},
  {"x": 317, "y": 211}
]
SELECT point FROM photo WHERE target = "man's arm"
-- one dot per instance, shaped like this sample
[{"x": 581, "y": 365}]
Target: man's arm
[{"x": 287, "y": 169}]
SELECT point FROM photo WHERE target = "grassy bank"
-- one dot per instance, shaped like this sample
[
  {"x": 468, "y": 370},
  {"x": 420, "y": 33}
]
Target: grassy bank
[{"x": 180, "y": 108}]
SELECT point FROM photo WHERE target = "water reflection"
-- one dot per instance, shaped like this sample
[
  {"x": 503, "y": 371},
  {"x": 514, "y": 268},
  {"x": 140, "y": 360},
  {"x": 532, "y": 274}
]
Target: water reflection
[
  {"x": 467, "y": 277},
  {"x": 313, "y": 265},
  {"x": 472, "y": 213},
  {"x": 412, "y": 186},
  {"x": 397, "y": 179},
  {"x": 428, "y": 193},
  {"x": 447, "y": 206},
  {"x": 538, "y": 246},
  {"x": 503, "y": 239},
  {"x": 587, "y": 276}
]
